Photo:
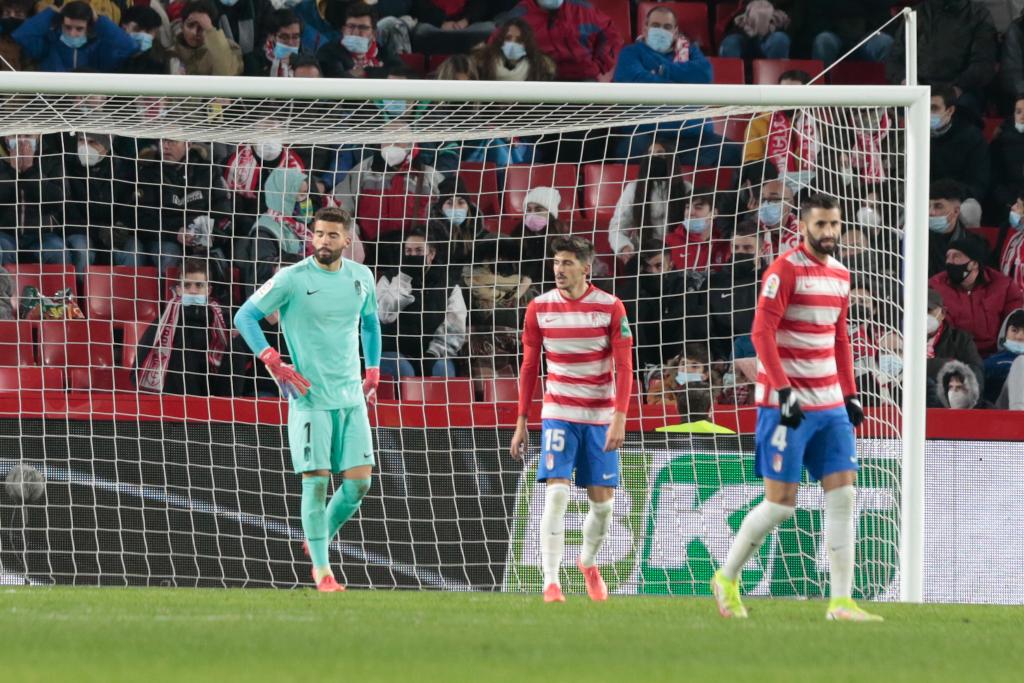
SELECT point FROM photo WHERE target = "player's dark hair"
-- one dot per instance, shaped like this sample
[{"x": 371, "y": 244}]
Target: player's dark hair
[
  {"x": 818, "y": 200},
  {"x": 580, "y": 247},
  {"x": 194, "y": 265},
  {"x": 333, "y": 214},
  {"x": 946, "y": 92}
]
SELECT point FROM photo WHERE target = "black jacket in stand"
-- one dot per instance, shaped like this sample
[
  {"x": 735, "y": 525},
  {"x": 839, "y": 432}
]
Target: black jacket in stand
[
  {"x": 189, "y": 370},
  {"x": 961, "y": 154}
]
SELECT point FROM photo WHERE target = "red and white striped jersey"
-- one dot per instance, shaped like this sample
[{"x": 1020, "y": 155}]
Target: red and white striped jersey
[
  {"x": 800, "y": 331},
  {"x": 578, "y": 337}
]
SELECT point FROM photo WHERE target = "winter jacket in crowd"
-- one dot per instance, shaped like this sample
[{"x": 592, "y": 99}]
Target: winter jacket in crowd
[
  {"x": 106, "y": 50},
  {"x": 961, "y": 154},
  {"x": 217, "y": 56},
  {"x": 999, "y": 367},
  {"x": 982, "y": 309}
]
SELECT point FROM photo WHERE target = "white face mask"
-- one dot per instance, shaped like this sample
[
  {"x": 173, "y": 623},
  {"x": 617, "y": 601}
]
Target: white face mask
[
  {"x": 269, "y": 151},
  {"x": 1019, "y": 127},
  {"x": 394, "y": 156},
  {"x": 959, "y": 399},
  {"x": 933, "y": 324},
  {"x": 867, "y": 216},
  {"x": 88, "y": 155}
]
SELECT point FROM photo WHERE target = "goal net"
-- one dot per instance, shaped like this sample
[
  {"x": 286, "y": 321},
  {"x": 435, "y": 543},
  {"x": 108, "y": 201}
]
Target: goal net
[{"x": 143, "y": 445}]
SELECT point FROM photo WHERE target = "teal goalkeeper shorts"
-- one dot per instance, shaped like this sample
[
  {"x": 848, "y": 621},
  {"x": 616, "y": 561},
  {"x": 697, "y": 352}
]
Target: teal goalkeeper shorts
[{"x": 335, "y": 440}]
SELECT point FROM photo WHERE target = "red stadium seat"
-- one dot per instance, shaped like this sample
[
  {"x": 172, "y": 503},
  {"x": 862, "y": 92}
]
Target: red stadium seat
[
  {"x": 857, "y": 73},
  {"x": 618, "y": 12},
  {"x": 520, "y": 179},
  {"x": 733, "y": 127},
  {"x": 990, "y": 235},
  {"x": 436, "y": 390},
  {"x": 727, "y": 70},
  {"x": 767, "y": 71},
  {"x": 506, "y": 390},
  {"x": 83, "y": 348},
  {"x": 692, "y": 18},
  {"x": 31, "y": 378},
  {"x": 724, "y": 12},
  {"x": 122, "y": 293},
  {"x": 47, "y": 278},
  {"x": 717, "y": 177},
  {"x": 434, "y": 62},
  {"x": 602, "y": 187},
  {"x": 480, "y": 179},
  {"x": 415, "y": 61},
  {"x": 16, "y": 345}
]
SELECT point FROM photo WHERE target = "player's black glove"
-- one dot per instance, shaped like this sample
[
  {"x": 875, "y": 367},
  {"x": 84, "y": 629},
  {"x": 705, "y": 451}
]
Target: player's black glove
[
  {"x": 792, "y": 416},
  {"x": 855, "y": 410}
]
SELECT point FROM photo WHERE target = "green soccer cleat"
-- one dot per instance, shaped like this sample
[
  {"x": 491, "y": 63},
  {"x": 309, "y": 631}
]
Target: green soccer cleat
[
  {"x": 727, "y": 595},
  {"x": 845, "y": 609}
]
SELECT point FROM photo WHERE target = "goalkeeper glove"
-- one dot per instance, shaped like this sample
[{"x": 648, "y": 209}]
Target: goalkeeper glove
[
  {"x": 791, "y": 415},
  {"x": 289, "y": 381},
  {"x": 370, "y": 385},
  {"x": 855, "y": 410}
]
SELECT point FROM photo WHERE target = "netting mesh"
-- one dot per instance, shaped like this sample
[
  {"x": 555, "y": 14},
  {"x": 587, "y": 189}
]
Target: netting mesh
[{"x": 160, "y": 437}]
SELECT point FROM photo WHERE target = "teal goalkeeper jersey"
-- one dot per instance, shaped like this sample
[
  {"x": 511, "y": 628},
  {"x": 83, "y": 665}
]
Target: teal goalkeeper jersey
[{"x": 320, "y": 318}]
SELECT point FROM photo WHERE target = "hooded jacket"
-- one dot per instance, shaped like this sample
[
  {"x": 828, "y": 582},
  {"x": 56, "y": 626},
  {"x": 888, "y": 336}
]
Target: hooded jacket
[
  {"x": 106, "y": 50},
  {"x": 579, "y": 37},
  {"x": 981, "y": 310},
  {"x": 997, "y": 369},
  {"x": 955, "y": 367}
]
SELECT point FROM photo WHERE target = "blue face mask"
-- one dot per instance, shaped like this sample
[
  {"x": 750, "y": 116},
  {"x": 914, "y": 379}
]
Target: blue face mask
[
  {"x": 513, "y": 51},
  {"x": 456, "y": 216},
  {"x": 698, "y": 226},
  {"x": 890, "y": 364},
  {"x": 143, "y": 41},
  {"x": 193, "y": 299},
  {"x": 1014, "y": 346},
  {"x": 770, "y": 213},
  {"x": 394, "y": 107},
  {"x": 229, "y": 3},
  {"x": 935, "y": 122},
  {"x": 1015, "y": 221},
  {"x": 74, "y": 43},
  {"x": 659, "y": 40},
  {"x": 282, "y": 51},
  {"x": 938, "y": 223},
  {"x": 550, "y": 5},
  {"x": 688, "y": 377},
  {"x": 357, "y": 45}
]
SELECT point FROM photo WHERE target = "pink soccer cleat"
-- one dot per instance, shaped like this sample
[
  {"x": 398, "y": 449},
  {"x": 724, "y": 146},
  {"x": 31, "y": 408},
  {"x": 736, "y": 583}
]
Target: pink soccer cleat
[
  {"x": 596, "y": 588},
  {"x": 329, "y": 585},
  {"x": 553, "y": 593}
]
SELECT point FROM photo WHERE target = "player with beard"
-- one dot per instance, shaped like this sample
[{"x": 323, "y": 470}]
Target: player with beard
[
  {"x": 807, "y": 407},
  {"x": 325, "y": 303}
]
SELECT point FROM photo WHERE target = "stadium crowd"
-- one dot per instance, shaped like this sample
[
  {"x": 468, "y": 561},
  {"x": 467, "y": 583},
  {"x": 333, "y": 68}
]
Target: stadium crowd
[{"x": 455, "y": 267}]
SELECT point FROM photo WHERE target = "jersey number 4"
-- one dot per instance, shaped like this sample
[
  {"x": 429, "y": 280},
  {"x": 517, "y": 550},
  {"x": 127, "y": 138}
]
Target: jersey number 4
[
  {"x": 778, "y": 439},
  {"x": 554, "y": 440}
]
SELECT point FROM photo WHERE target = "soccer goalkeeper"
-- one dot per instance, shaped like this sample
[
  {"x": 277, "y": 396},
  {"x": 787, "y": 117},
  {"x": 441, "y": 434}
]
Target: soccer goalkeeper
[{"x": 324, "y": 302}]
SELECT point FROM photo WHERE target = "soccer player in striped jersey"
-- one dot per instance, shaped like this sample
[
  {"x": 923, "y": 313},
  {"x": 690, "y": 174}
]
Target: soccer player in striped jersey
[
  {"x": 327, "y": 305},
  {"x": 807, "y": 406},
  {"x": 586, "y": 338}
]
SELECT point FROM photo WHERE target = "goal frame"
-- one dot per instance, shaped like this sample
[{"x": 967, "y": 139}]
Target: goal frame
[{"x": 916, "y": 100}]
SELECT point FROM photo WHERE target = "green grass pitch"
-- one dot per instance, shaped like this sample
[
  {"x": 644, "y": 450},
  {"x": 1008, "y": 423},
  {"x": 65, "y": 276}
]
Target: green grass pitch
[{"x": 117, "y": 634}]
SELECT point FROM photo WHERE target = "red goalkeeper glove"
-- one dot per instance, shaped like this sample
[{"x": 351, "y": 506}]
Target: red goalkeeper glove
[
  {"x": 370, "y": 385},
  {"x": 289, "y": 381}
]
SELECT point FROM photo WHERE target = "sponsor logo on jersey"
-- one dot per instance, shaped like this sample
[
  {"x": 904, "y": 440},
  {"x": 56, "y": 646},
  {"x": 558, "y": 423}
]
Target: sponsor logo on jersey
[
  {"x": 771, "y": 286},
  {"x": 265, "y": 289},
  {"x": 624, "y": 328}
]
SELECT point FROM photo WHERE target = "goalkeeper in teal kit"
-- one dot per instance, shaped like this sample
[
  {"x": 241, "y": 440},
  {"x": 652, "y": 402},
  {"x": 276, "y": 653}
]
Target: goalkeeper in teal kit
[{"x": 324, "y": 302}]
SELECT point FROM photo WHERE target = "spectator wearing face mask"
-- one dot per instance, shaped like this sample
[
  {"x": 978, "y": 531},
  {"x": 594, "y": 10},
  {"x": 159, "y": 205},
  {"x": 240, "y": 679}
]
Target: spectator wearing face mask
[
  {"x": 648, "y": 205},
  {"x": 182, "y": 353},
  {"x": 202, "y": 49},
  {"x": 529, "y": 242},
  {"x": 977, "y": 298},
  {"x": 688, "y": 378},
  {"x": 579, "y": 37},
  {"x": 455, "y": 215},
  {"x": 775, "y": 216},
  {"x": 356, "y": 51},
  {"x": 947, "y": 343},
  {"x": 1004, "y": 370},
  {"x": 282, "y": 42},
  {"x": 422, "y": 312},
  {"x": 1007, "y": 152},
  {"x": 1010, "y": 243},
  {"x": 946, "y": 224},
  {"x": 12, "y": 15},
  {"x": 31, "y": 200},
  {"x": 697, "y": 244},
  {"x": 143, "y": 24},
  {"x": 958, "y": 148},
  {"x": 956, "y": 386},
  {"x": 248, "y": 168},
  {"x": 732, "y": 291},
  {"x": 73, "y": 38},
  {"x": 512, "y": 54}
]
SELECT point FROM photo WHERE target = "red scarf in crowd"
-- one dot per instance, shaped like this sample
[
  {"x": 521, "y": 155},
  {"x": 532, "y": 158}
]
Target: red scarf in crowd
[
  {"x": 298, "y": 228},
  {"x": 934, "y": 339},
  {"x": 867, "y": 152},
  {"x": 783, "y": 150},
  {"x": 1012, "y": 261},
  {"x": 368, "y": 59},
  {"x": 154, "y": 368},
  {"x": 279, "y": 68},
  {"x": 453, "y": 9},
  {"x": 243, "y": 169}
]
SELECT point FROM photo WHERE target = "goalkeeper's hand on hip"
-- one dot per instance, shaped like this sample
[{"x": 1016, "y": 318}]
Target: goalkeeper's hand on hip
[
  {"x": 289, "y": 381},
  {"x": 789, "y": 409}
]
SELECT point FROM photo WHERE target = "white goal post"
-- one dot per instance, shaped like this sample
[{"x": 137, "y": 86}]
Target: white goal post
[{"x": 231, "y": 110}]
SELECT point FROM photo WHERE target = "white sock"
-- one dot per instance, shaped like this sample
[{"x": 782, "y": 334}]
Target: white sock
[
  {"x": 841, "y": 537},
  {"x": 552, "y": 531},
  {"x": 758, "y": 523},
  {"x": 595, "y": 530}
]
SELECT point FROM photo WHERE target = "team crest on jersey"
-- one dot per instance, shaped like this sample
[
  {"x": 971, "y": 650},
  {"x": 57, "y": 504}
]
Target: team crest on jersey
[
  {"x": 550, "y": 461},
  {"x": 771, "y": 286},
  {"x": 777, "y": 462}
]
